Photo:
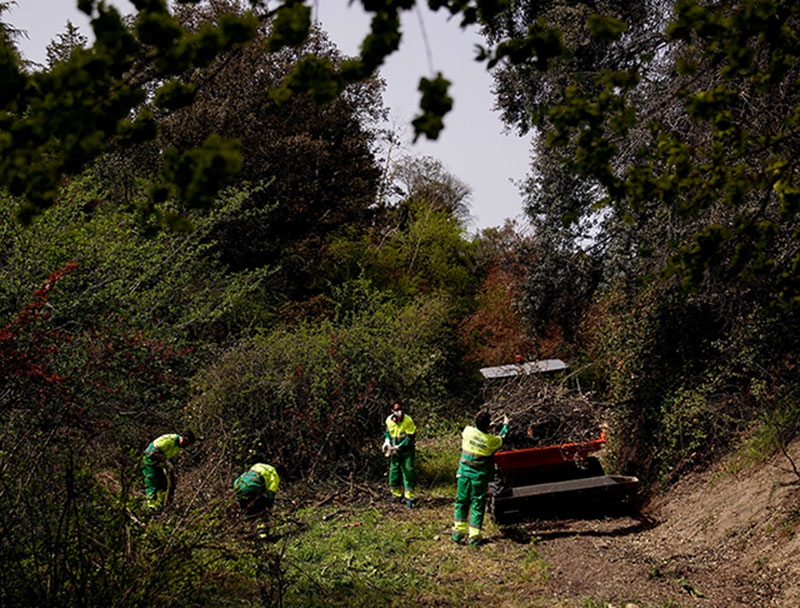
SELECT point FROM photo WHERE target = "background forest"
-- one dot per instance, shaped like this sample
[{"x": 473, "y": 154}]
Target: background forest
[{"x": 179, "y": 248}]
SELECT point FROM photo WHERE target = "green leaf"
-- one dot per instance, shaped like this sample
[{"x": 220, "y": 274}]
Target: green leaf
[
  {"x": 435, "y": 103},
  {"x": 605, "y": 28},
  {"x": 290, "y": 26},
  {"x": 175, "y": 94}
]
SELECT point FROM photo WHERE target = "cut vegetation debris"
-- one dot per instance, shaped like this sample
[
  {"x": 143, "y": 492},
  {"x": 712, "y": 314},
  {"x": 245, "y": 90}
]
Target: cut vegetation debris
[{"x": 542, "y": 412}]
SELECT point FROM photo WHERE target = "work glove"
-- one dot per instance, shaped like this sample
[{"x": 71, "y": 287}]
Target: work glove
[
  {"x": 386, "y": 448},
  {"x": 394, "y": 449},
  {"x": 506, "y": 420}
]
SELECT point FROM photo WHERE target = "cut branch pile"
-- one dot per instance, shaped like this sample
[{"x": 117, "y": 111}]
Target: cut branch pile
[{"x": 542, "y": 412}]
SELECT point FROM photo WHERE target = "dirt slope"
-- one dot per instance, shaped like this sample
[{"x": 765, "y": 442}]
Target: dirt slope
[{"x": 716, "y": 539}]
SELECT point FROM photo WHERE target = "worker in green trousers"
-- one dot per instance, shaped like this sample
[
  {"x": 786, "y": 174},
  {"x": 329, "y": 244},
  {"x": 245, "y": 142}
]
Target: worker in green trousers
[
  {"x": 155, "y": 462},
  {"x": 399, "y": 447},
  {"x": 475, "y": 471}
]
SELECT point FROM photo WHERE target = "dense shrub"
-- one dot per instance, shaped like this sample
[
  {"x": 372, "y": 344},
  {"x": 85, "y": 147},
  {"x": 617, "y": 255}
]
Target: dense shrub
[
  {"x": 78, "y": 401},
  {"x": 683, "y": 373},
  {"x": 316, "y": 394}
]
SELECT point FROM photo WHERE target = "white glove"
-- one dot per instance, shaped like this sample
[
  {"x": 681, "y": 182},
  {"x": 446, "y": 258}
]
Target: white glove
[
  {"x": 505, "y": 420},
  {"x": 386, "y": 448},
  {"x": 394, "y": 449}
]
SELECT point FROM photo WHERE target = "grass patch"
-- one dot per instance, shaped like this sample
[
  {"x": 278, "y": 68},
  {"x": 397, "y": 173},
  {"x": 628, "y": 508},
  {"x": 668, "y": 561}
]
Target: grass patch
[
  {"x": 392, "y": 556},
  {"x": 437, "y": 461}
]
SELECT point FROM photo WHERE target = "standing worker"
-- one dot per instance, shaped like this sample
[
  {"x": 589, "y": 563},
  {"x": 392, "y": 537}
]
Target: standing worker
[
  {"x": 398, "y": 446},
  {"x": 155, "y": 462},
  {"x": 255, "y": 490},
  {"x": 475, "y": 471}
]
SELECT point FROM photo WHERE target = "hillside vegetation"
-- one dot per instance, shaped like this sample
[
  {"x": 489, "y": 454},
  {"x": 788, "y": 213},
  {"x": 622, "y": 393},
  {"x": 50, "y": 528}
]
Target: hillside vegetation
[{"x": 204, "y": 224}]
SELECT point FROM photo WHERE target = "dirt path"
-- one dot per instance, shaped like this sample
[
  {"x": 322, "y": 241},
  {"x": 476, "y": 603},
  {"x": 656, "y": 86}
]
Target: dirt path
[{"x": 716, "y": 540}]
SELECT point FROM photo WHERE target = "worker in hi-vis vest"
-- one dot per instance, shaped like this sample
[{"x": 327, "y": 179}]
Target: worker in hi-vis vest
[
  {"x": 399, "y": 447},
  {"x": 255, "y": 490},
  {"x": 155, "y": 462},
  {"x": 475, "y": 471}
]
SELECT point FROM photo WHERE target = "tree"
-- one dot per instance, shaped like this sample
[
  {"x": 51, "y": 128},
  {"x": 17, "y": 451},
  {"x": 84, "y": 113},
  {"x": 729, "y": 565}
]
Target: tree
[
  {"x": 59, "y": 50},
  {"x": 58, "y": 121},
  {"x": 426, "y": 179},
  {"x": 315, "y": 166},
  {"x": 495, "y": 331}
]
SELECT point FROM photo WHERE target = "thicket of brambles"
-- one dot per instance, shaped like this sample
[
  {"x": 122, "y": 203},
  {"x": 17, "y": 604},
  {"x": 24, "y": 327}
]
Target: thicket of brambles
[{"x": 267, "y": 278}]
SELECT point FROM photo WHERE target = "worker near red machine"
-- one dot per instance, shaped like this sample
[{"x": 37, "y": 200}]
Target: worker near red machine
[
  {"x": 399, "y": 447},
  {"x": 156, "y": 466},
  {"x": 475, "y": 471},
  {"x": 255, "y": 490}
]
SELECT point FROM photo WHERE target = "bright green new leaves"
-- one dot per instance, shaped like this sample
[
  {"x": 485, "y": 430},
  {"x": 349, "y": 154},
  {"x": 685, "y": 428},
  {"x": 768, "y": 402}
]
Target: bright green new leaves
[
  {"x": 290, "y": 26},
  {"x": 197, "y": 175},
  {"x": 435, "y": 104},
  {"x": 313, "y": 76}
]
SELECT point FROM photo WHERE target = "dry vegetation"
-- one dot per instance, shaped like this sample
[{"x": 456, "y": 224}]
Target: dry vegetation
[{"x": 543, "y": 412}]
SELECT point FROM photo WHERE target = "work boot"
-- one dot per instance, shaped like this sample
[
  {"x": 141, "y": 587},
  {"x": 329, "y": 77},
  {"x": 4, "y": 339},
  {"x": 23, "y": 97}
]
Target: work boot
[
  {"x": 410, "y": 503},
  {"x": 476, "y": 542},
  {"x": 458, "y": 538}
]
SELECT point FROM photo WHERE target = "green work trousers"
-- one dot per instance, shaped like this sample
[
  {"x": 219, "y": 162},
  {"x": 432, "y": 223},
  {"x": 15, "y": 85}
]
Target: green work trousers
[
  {"x": 402, "y": 477},
  {"x": 157, "y": 485},
  {"x": 470, "y": 507}
]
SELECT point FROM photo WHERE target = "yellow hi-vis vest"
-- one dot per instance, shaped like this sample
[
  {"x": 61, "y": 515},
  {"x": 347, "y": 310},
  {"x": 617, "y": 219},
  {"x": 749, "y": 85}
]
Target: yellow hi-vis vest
[
  {"x": 477, "y": 453},
  {"x": 260, "y": 477},
  {"x": 401, "y": 433},
  {"x": 162, "y": 449}
]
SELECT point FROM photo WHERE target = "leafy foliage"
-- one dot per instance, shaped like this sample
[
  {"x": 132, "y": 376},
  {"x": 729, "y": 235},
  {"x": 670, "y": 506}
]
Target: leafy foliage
[
  {"x": 46, "y": 134},
  {"x": 316, "y": 394},
  {"x": 76, "y": 401},
  {"x": 494, "y": 332},
  {"x": 165, "y": 284}
]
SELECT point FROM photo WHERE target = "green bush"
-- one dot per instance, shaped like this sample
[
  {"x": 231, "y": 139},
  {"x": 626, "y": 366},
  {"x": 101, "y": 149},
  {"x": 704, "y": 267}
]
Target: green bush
[{"x": 316, "y": 394}]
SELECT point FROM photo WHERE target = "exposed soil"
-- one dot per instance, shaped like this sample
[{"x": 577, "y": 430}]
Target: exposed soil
[{"x": 716, "y": 539}]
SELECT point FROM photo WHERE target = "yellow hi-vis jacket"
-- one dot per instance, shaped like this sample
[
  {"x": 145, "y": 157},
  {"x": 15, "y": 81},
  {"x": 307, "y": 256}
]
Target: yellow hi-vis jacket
[
  {"x": 401, "y": 433},
  {"x": 162, "y": 449},
  {"x": 260, "y": 477},
  {"x": 477, "y": 453}
]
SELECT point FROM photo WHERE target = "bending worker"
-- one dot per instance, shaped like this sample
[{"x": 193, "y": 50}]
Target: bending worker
[
  {"x": 399, "y": 447},
  {"x": 255, "y": 490},
  {"x": 475, "y": 471},
  {"x": 155, "y": 462}
]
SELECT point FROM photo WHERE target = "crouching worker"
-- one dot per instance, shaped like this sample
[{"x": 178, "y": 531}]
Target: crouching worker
[
  {"x": 159, "y": 481},
  {"x": 475, "y": 471},
  {"x": 255, "y": 490}
]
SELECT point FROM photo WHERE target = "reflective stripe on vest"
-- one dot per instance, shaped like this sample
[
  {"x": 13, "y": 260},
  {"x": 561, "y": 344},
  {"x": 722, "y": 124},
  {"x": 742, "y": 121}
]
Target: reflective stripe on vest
[{"x": 478, "y": 448}]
